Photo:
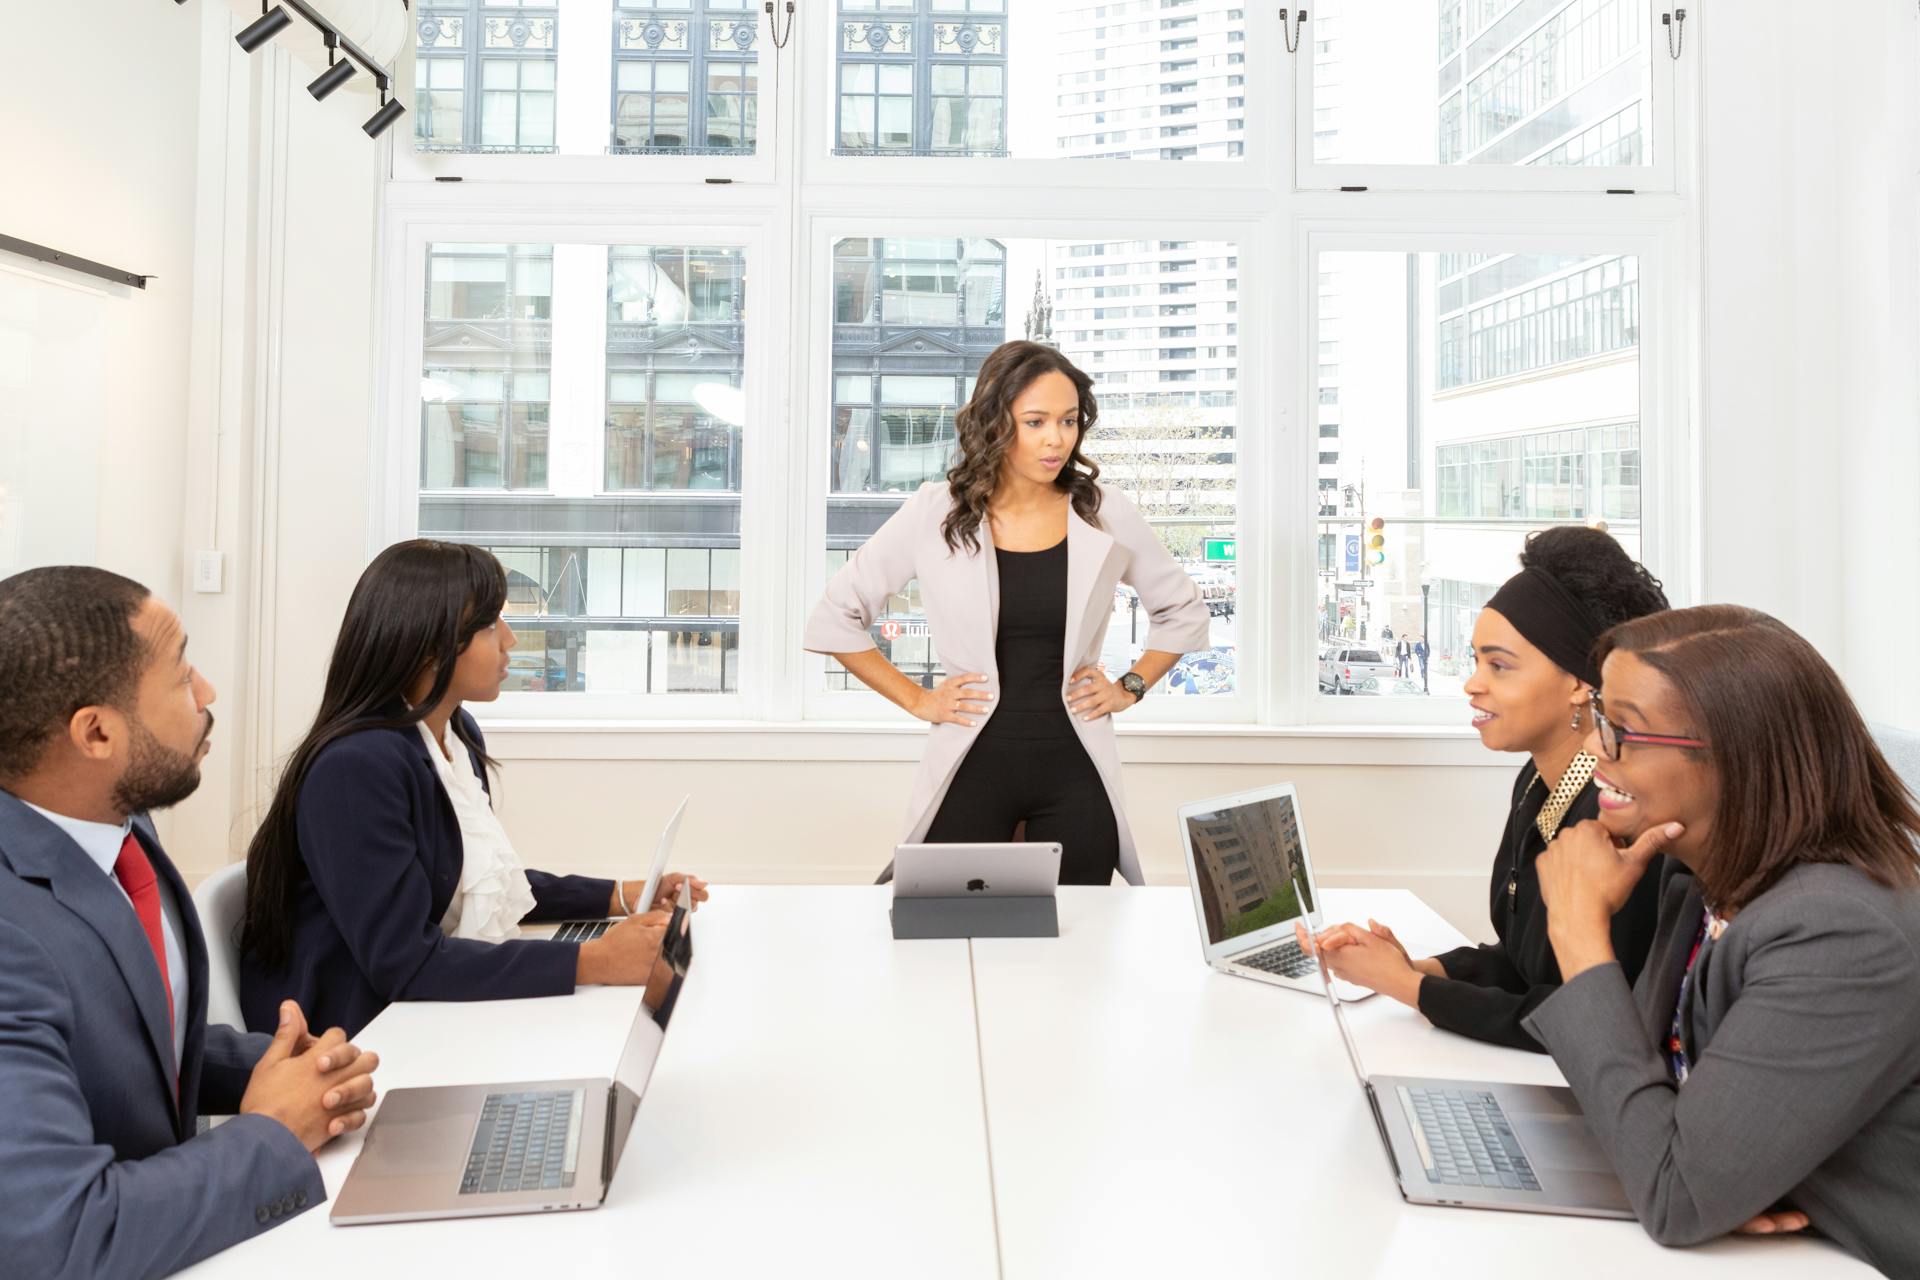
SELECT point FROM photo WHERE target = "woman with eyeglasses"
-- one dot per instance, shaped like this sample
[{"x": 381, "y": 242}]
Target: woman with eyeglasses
[
  {"x": 1528, "y": 691},
  {"x": 1764, "y": 1072}
]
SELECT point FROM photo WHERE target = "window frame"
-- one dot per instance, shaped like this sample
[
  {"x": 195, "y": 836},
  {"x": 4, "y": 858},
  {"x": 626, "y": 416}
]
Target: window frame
[
  {"x": 1264, "y": 157},
  {"x": 587, "y": 32},
  {"x": 1671, "y": 84},
  {"x": 806, "y": 561},
  {"x": 396, "y": 438},
  {"x": 789, "y": 220},
  {"x": 1666, "y": 443}
]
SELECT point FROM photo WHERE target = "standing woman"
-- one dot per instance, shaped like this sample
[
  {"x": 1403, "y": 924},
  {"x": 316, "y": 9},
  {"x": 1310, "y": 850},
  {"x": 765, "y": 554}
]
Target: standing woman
[
  {"x": 381, "y": 873},
  {"x": 1018, "y": 555},
  {"x": 1533, "y": 670},
  {"x": 1764, "y": 1072}
]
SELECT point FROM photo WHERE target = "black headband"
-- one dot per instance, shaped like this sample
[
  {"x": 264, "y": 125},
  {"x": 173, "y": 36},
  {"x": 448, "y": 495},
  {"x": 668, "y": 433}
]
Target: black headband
[{"x": 1552, "y": 619}]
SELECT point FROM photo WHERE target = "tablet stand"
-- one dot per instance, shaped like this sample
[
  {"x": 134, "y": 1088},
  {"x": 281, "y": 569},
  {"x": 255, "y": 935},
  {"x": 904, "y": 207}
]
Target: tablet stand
[{"x": 1036, "y": 917}]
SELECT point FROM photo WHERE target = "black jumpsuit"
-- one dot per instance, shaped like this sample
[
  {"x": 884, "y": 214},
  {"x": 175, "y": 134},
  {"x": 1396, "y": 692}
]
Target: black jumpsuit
[{"x": 1027, "y": 764}]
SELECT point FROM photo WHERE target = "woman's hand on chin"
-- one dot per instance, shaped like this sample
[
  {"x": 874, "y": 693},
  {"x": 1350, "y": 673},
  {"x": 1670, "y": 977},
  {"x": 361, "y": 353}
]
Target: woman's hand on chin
[{"x": 1585, "y": 877}]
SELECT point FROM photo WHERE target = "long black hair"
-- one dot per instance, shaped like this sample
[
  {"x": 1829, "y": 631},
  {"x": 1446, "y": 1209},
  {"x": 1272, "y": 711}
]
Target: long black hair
[{"x": 414, "y": 610}]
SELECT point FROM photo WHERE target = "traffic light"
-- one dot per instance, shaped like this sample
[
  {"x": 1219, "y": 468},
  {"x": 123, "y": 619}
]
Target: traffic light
[{"x": 1376, "y": 541}]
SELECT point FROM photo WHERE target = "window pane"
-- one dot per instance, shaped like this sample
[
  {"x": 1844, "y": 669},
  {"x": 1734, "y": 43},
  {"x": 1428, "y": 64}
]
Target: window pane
[
  {"x": 610, "y": 591},
  {"x": 694, "y": 46},
  {"x": 913, "y": 319},
  {"x": 675, "y": 409},
  {"x": 1045, "y": 80},
  {"x": 1525, "y": 383},
  {"x": 437, "y": 106},
  {"x": 507, "y": 51},
  {"x": 484, "y": 383},
  {"x": 1555, "y": 82}
]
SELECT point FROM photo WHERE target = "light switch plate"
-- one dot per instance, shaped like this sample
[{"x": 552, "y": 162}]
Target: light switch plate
[{"x": 209, "y": 572}]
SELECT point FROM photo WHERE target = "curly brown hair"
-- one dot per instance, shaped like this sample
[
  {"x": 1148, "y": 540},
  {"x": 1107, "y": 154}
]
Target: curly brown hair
[{"x": 986, "y": 429}]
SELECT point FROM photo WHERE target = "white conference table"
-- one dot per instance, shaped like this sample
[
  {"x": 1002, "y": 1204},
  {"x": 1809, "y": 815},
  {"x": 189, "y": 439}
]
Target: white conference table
[
  {"x": 815, "y": 1111},
  {"x": 830, "y": 1102},
  {"x": 1148, "y": 1116}
]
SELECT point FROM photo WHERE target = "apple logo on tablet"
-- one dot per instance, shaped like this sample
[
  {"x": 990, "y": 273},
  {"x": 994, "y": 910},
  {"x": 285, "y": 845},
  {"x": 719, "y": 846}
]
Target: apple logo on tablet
[{"x": 975, "y": 886}]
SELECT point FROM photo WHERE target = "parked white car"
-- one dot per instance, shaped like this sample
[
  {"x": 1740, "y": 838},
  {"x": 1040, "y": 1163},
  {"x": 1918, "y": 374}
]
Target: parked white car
[{"x": 1355, "y": 669}]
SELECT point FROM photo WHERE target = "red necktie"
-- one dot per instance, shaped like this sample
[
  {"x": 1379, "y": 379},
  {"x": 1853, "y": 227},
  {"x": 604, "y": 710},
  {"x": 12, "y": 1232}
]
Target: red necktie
[{"x": 136, "y": 877}]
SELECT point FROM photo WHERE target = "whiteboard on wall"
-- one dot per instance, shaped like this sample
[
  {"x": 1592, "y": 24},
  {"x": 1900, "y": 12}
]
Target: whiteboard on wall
[{"x": 53, "y": 371}]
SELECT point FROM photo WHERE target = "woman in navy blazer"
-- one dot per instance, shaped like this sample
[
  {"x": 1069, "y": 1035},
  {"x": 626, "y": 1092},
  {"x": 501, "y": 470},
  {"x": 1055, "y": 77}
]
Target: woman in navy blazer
[{"x": 360, "y": 858}]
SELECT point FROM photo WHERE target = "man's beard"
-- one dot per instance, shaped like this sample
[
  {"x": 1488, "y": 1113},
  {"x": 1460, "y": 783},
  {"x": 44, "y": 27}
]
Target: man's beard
[{"x": 157, "y": 776}]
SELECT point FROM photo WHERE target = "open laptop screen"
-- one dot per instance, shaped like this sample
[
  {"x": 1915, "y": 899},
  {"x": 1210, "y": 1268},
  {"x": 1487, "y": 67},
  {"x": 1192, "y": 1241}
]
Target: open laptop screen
[
  {"x": 650, "y": 1023},
  {"x": 1245, "y": 859}
]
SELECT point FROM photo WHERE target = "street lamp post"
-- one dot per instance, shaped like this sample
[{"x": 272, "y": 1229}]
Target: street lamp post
[{"x": 1426, "y": 637}]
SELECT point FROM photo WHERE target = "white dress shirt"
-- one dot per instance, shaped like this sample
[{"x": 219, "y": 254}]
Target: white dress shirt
[
  {"x": 494, "y": 895},
  {"x": 101, "y": 842}
]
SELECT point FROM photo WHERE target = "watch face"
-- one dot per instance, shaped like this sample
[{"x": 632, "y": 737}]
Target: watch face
[{"x": 1133, "y": 684}]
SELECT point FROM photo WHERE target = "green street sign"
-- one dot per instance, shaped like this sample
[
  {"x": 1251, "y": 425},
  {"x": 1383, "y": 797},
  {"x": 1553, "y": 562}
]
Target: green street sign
[{"x": 1220, "y": 551}]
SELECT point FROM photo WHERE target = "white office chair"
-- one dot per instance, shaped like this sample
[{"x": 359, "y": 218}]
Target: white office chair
[
  {"x": 221, "y": 901},
  {"x": 1902, "y": 750}
]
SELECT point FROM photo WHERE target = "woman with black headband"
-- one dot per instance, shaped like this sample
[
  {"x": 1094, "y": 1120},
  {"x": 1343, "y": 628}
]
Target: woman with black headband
[{"x": 1533, "y": 671}]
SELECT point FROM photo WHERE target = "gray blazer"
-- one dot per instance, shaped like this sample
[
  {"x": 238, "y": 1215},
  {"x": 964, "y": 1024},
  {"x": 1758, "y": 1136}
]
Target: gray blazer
[
  {"x": 100, "y": 1171},
  {"x": 1802, "y": 1028}
]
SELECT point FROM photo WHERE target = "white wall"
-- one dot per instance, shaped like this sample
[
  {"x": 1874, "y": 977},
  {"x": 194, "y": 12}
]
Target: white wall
[
  {"x": 1423, "y": 812},
  {"x": 1878, "y": 231},
  {"x": 277, "y": 450},
  {"x": 1811, "y": 434},
  {"x": 99, "y": 132}
]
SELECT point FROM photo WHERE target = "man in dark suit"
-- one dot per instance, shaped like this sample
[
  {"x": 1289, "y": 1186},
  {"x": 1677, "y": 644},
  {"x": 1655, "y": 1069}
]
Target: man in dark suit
[{"x": 106, "y": 1057}]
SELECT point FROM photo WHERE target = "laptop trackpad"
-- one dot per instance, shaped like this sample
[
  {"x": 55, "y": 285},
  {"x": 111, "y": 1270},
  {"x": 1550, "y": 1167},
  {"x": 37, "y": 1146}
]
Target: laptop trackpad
[
  {"x": 1561, "y": 1144},
  {"x": 423, "y": 1131}
]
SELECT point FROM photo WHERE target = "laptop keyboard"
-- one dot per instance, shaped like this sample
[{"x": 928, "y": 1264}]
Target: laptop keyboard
[
  {"x": 581, "y": 930},
  {"x": 1287, "y": 960},
  {"x": 524, "y": 1142},
  {"x": 1467, "y": 1141}
]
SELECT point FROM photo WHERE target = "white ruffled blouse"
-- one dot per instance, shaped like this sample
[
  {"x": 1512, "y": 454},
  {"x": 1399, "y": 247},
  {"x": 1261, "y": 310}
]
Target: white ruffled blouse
[{"x": 494, "y": 894}]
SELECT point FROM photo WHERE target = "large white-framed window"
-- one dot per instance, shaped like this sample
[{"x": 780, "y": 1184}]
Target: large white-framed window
[
  {"x": 964, "y": 92},
  {"x": 1489, "y": 95},
  {"x": 917, "y": 303},
  {"x": 712, "y": 358},
  {"x": 631, "y": 586},
  {"x": 1430, "y": 465},
  {"x": 594, "y": 91}
]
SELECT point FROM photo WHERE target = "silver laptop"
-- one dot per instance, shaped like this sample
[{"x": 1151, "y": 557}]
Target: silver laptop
[
  {"x": 481, "y": 1150},
  {"x": 1481, "y": 1145},
  {"x": 1013, "y": 870},
  {"x": 588, "y": 930},
  {"x": 1247, "y": 864}
]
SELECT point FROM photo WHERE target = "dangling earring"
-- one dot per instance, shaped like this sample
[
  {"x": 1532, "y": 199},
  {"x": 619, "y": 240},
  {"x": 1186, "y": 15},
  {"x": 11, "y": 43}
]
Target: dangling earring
[{"x": 1576, "y": 717}]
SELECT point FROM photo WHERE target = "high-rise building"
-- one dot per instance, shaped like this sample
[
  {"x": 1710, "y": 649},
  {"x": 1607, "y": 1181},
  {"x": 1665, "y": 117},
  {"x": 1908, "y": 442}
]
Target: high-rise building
[
  {"x": 1155, "y": 322},
  {"x": 1534, "y": 416},
  {"x": 1513, "y": 401}
]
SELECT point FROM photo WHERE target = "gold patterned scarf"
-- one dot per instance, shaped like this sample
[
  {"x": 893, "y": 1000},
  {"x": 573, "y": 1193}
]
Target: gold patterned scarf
[{"x": 1572, "y": 782}]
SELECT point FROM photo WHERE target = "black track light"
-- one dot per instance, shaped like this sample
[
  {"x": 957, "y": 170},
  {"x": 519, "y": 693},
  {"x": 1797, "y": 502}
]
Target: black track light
[
  {"x": 382, "y": 120},
  {"x": 262, "y": 29},
  {"x": 336, "y": 74}
]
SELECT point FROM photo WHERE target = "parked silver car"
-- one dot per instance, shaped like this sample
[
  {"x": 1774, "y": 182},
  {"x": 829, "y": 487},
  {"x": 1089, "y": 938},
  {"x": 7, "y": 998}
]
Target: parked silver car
[{"x": 1354, "y": 669}]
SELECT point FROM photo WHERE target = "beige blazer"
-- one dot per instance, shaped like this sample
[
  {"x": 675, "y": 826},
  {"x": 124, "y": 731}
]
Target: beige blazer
[{"x": 962, "y": 596}]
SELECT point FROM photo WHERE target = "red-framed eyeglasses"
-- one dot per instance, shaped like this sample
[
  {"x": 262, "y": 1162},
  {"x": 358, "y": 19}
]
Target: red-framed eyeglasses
[{"x": 1611, "y": 737}]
